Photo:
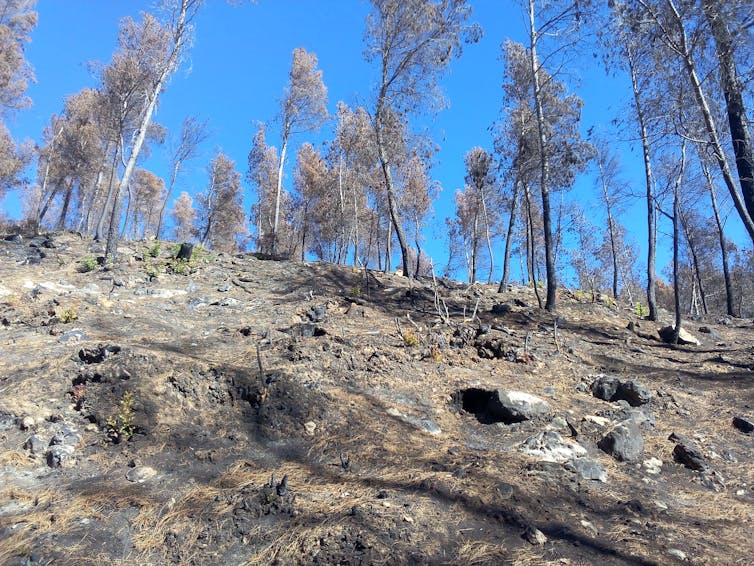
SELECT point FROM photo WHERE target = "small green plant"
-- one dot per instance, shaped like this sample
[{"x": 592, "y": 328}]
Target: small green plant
[
  {"x": 121, "y": 426},
  {"x": 87, "y": 264},
  {"x": 69, "y": 315},
  {"x": 181, "y": 266},
  {"x": 641, "y": 310},
  {"x": 355, "y": 291},
  {"x": 578, "y": 294},
  {"x": 152, "y": 271},
  {"x": 154, "y": 250},
  {"x": 410, "y": 339}
]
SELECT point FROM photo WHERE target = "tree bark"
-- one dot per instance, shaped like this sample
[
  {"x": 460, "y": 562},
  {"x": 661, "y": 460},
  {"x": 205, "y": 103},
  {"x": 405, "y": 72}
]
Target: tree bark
[
  {"x": 390, "y": 187},
  {"x": 734, "y": 101},
  {"x": 170, "y": 64},
  {"x": 721, "y": 238},
  {"x": 508, "y": 241},
  {"x": 651, "y": 214},
  {"x": 544, "y": 169}
]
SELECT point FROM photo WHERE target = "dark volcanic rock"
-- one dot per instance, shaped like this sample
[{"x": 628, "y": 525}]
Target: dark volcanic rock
[
  {"x": 624, "y": 442},
  {"x": 501, "y": 309},
  {"x": 743, "y": 424},
  {"x": 609, "y": 388},
  {"x": 688, "y": 453}
]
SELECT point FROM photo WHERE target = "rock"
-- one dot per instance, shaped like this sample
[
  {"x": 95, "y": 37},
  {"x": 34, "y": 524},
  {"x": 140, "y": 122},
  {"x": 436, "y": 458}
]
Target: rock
[
  {"x": 744, "y": 424},
  {"x": 75, "y": 335},
  {"x": 711, "y": 331},
  {"x": 517, "y": 406},
  {"x": 7, "y": 421},
  {"x": 679, "y": 554},
  {"x": 97, "y": 354},
  {"x": 501, "y": 309},
  {"x": 59, "y": 455},
  {"x": 140, "y": 474},
  {"x": 609, "y": 388},
  {"x": 688, "y": 453},
  {"x": 317, "y": 314},
  {"x": 635, "y": 393},
  {"x": 599, "y": 421},
  {"x": 684, "y": 337},
  {"x": 588, "y": 469},
  {"x": 310, "y": 427},
  {"x": 67, "y": 435},
  {"x": 535, "y": 536},
  {"x": 605, "y": 387},
  {"x": 652, "y": 465},
  {"x": 549, "y": 446},
  {"x": 28, "y": 423},
  {"x": 625, "y": 442},
  {"x": 35, "y": 444}
]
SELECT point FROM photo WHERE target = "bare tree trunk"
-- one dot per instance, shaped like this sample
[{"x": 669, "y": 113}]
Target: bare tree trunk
[
  {"x": 508, "y": 241},
  {"x": 610, "y": 229},
  {"x": 392, "y": 200},
  {"x": 651, "y": 214},
  {"x": 40, "y": 214},
  {"x": 694, "y": 260},
  {"x": 734, "y": 101},
  {"x": 66, "y": 204},
  {"x": 531, "y": 248},
  {"x": 173, "y": 178},
  {"x": 721, "y": 238},
  {"x": 544, "y": 169},
  {"x": 684, "y": 52},
  {"x": 170, "y": 64},
  {"x": 487, "y": 237},
  {"x": 676, "y": 241}
]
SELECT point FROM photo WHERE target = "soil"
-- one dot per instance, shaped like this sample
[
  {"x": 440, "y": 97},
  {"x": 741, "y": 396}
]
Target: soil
[{"x": 237, "y": 410}]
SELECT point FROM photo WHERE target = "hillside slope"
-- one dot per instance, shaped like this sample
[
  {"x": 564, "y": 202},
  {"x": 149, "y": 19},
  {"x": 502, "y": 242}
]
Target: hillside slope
[{"x": 240, "y": 411}]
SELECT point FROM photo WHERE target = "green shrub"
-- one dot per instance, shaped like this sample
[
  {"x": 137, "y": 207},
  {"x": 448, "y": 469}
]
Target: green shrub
[
  {"x": 69, "y": 315},
  {"x": 87, "y": 264},
  {"x": 154, "y": 250},
  {"x": 410, "y": 339},
  {"x": 641, "y": 310},
  {"x": 121, "y": 426}
]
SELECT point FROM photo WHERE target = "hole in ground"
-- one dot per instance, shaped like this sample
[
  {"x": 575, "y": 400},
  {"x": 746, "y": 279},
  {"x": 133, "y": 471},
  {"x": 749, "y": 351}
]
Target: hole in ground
[{"x": 480, "y": 403}]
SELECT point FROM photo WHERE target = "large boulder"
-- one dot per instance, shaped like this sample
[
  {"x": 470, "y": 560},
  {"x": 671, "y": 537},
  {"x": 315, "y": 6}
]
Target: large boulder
[
  {"x": 610, "y": 388},
  {"x": 517, "y": 406},
  {"x": 684, "y": 337},
  {"x": 624, "y": 442}
]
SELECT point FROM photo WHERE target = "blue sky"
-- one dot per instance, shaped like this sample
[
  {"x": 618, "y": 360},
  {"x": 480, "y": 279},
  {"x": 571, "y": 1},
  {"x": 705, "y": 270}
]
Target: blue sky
[{"x": 237, "y": 69}]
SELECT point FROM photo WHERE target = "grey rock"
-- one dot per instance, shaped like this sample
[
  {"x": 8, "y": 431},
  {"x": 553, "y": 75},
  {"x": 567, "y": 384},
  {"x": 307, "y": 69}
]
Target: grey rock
[
  {"x": 57, "y": 456},
  {"x": 744, "y": 424},
  {"x": 7, "y": 421},
  {"x": 588, "y": 469},
  {"x": 140, "y": 474},
  {"x": 35, "y": 444},
  {"x": 635, "y": 393},
  {"x": 75, "y": 335},
  {"x": 688, "y": 453},
  {"x": 549, "y": 446},
  {"x": 517, "y": 406},
  {"x": 624, "y": 443},
  {"x": 605, "y": 387},
  {"x": 318, "y": 314},
  {"x": 610, "y": 388},
  {"x": 684, "y": 337},
  {"x": 66, "y": 436}
]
